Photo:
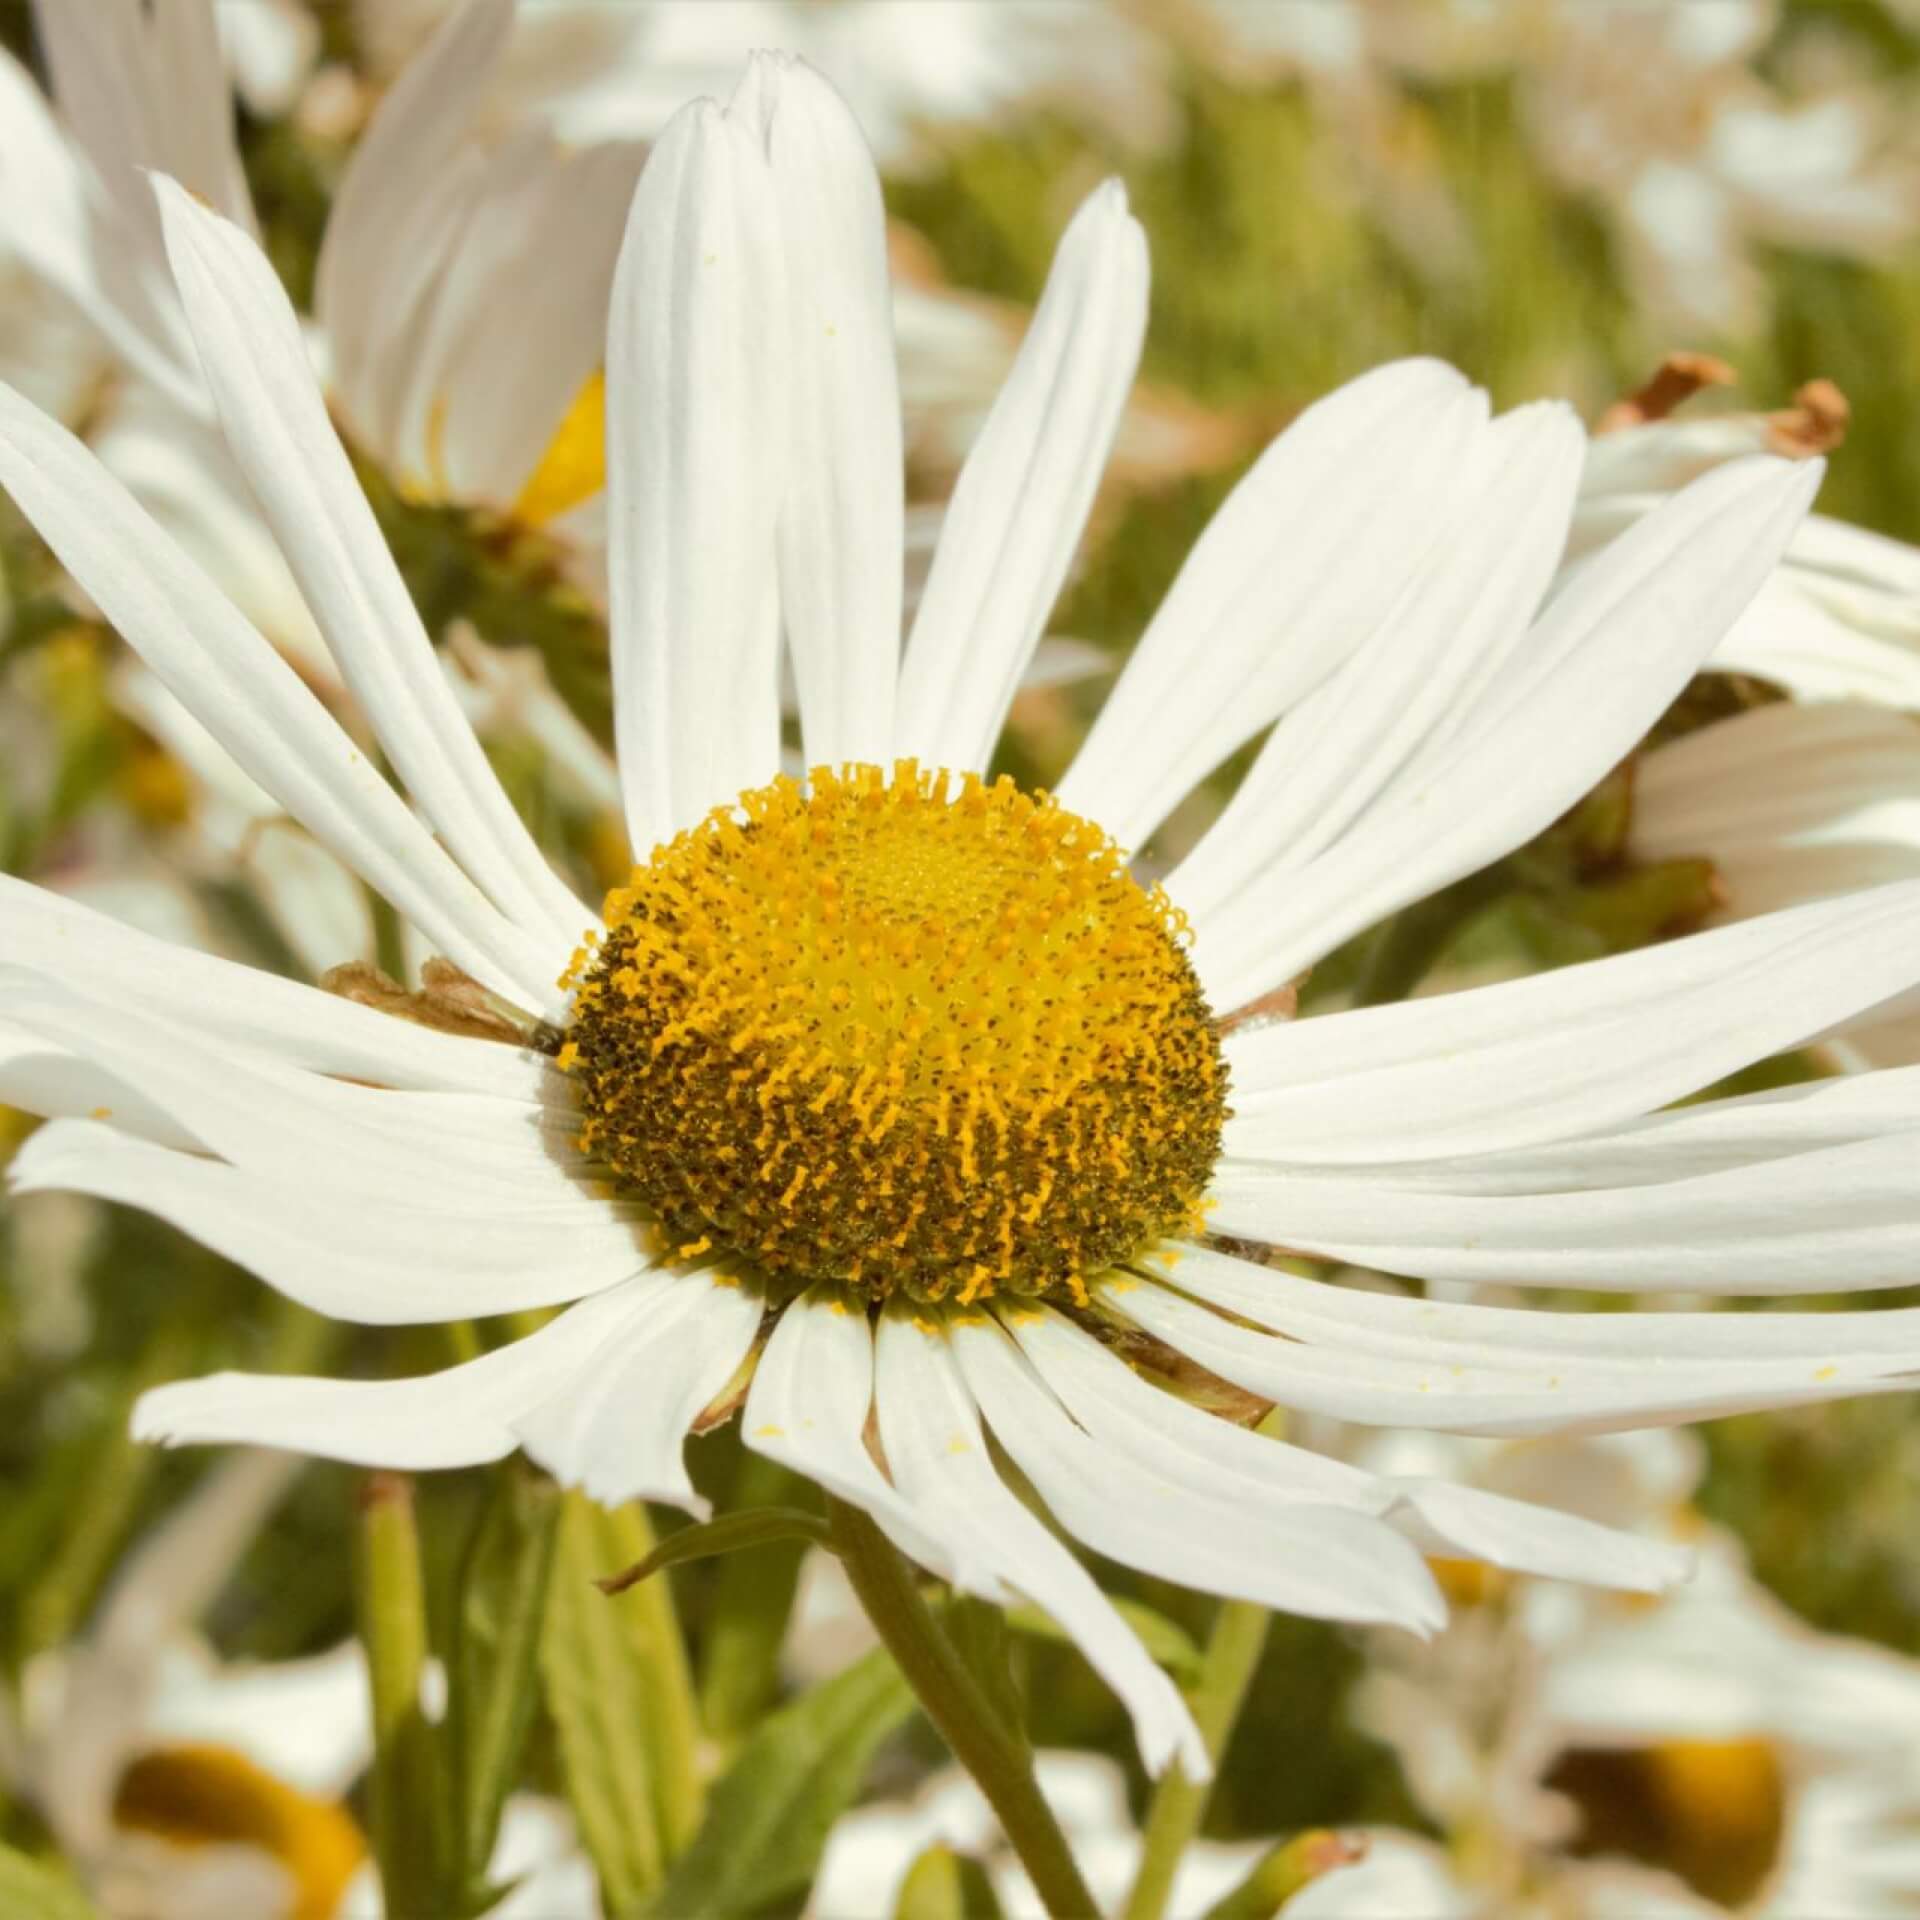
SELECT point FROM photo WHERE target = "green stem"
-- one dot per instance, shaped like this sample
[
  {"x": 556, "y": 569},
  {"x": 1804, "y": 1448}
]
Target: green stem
[
  {"x": 1411, "y": 942},
  {"x": 954, "y": 1703},
  {"x": 1178, "y": 1804},
  {"x": 391, "y": 1602}
]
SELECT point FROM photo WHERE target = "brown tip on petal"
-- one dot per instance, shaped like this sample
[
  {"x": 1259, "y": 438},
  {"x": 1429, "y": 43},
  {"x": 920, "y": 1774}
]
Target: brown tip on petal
[
  {"x": 1281, "y": 1004},
  {"x": 1674, "y": 382},
  {"x": 1815, "y": 423},
  {"x": 1323, "y": 1851}
]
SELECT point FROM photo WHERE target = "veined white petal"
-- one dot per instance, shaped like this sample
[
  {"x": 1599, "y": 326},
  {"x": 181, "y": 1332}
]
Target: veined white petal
[
  {"x": 619, "y": 1431},
  {"x": 256, "y": 366},
  {"x": 348, "y": 1254},
  {"x": 277, "y": 1120},
  {"x": 247, "y": 1010},
  {"x": 1790, "y": 803},
  {"x": 1841, "y": 1219},
  {"x": 39, "y": 1076},
  {"x": 807, "y": 1408},
  {"x": 252, "y": 701},
  {"x": 1327, "y": 1562},
  {"x": 1137, "y": 1422},
  {"x": 1389, "y": 1360},
  {"x": 937, "y": 1456},
  {"x": 1453, "y": 631},
  {"x": 1712, "y": 1137},
  {"x": 387, "y": 229},
  {"x": 1571, "y": 1051},
  {"x": 842, "y": 519},
  {"x": 1524, "y": 1538},
  {"x": 458, "y": 1417},
  {"x": 1022, "y": 499},
  {"x": 1299, "y": 566},
  {"x": 1606, "y": 658},
  {"x": 696, "y": 463}
]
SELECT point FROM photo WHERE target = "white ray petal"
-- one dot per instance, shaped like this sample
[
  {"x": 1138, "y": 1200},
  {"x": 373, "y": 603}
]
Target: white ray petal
[
  {"x": 1139, "y": 1422},
  {"x": 1601, "y": 664},
  {"x": 458, "y": 1417},
  {"x": 387, "y": 230},
  {"x": 1418, "y": 678},
  {"x": 266, "y": 1117},
  {"x": 1525, "y": 1538},
  {"x": 1572, "y": 1051},
  {"x": 1790, "y": 803},
  {"x": 382, "y": 1262},
  {"x": 808, "y": 1406},
  {"x": 619, "y": 1431},
  {"x": 38, "y": 1076},
  {"x": 937, "y": 1456},
  {"x": 1388, "y": 1360},
  {"x": 1840, "y": 1219},
  {"x": 1714, "y": 1136},
  {"x": 1327, "y": 1562},
  {"x": 1300, "y": 565},
  {"x": 256, "y": 366},
  {"x": 696, "y": 463},
  {"x": 1022, "y": 499},
  {"x": 842, "y": 520},
  {"x": 245, "y": 1010},
  {"x": 252, "y": 701}
]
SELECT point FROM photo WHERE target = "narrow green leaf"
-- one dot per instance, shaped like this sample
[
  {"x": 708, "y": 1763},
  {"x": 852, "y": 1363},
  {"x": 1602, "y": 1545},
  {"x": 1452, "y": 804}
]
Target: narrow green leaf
[
  {"x": 944, "y": 1885},
  {"x": 770, "y": 1814},
  {"x": 36, "y": 1890},
  {"x": 1171, "y": 1645},
  {"x": 745, "y": 1624},
  {"x": 595, "y": 1679},
  {"x": 494, "y": 1668},
  {"x": 731, "y": 1533},
  {"x": 621, "y": 1697},
  {"x": 409, "y": 1840}
]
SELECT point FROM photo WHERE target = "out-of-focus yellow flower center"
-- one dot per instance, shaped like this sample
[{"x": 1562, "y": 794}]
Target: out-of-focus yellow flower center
[
  {"x": 574, "y": 466},
  {"x": 1711, "y": 1811},
  {"x": 907, "y": 1036},
  {"x": 195, "y": 1795}
]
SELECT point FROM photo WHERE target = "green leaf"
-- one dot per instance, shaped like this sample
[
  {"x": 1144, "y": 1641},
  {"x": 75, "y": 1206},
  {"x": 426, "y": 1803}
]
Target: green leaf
[
  {"x": 34, "y": 1890},
  {"x": 621, "y": 1699},
  {"x": 409, "y": 1838},
  {"x": 944, "y": 1885},
  {"x": 494, "y": 1665},
  {"x": 731, "y": 1533},
  {"x": 746, "y": 1619},
  {"x": 770, "y": 1814},
  {"x": 1172, "y": 1646}
]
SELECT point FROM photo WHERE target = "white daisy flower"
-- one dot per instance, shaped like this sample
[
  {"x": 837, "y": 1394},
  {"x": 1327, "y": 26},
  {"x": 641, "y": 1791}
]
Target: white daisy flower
[
  {"x": 179, "y": 1785},
  {"x": 1705, "y": 1756},
  {"x": 443, "y": 254},
  {"x": 889, "y": 1099}
]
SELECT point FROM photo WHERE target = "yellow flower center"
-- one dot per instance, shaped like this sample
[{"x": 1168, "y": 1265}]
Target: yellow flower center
[
  {"x": 195, "y": 1795},
  {"x": 912, "y": 1039},
  {"x": 1713, "y": 1812}
]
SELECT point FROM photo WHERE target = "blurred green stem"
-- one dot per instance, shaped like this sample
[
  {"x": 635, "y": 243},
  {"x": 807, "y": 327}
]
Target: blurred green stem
[
  {"x": 953, "y": 1701},
  {"x": 390, "y": 1598},
  {"x": 1174, "y": 1814},
  {"x": 1178, "y": 1804}
]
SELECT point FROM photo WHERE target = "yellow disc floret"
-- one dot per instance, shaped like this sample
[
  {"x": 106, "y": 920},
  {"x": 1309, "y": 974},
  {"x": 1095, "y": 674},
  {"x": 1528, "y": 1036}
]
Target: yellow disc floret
[{"x": 900, "y": 1033}]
